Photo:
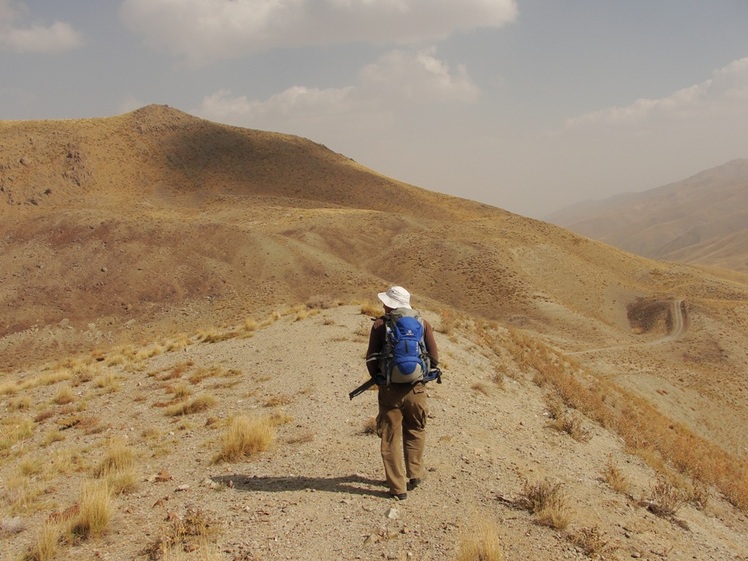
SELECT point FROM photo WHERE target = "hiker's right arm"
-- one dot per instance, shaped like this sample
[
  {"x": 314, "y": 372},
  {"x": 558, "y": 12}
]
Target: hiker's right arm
[{"x": 376, "y": 344}]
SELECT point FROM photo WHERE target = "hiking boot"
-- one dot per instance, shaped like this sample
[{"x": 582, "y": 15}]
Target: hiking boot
[
  {"x": 413, "y": 483},
  {"x": 399, "y": 496}
]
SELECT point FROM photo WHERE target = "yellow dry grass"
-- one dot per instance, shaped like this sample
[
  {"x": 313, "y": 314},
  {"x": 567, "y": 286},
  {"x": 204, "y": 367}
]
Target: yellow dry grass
[
  {"x": 547, "y": 501},
  {"x": 117, "y": 467},
  {"x": 245, "y": 437},
  {"x": 95, "y": 510},
  {"x": 196, "y": 405},
  {"x": 615, "y": 478},
  {"x": 482, "y": 543},
  {"x": 647, "y": 431}
]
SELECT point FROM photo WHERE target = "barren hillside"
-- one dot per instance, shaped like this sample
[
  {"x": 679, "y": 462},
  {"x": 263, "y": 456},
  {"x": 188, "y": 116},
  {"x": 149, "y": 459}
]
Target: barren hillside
[
  {"x": 700, "y": 220},
  {"x": 129, "y": 243}
]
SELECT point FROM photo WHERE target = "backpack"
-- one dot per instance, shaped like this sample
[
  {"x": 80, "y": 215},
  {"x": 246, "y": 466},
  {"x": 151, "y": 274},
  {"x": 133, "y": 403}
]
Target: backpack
[{"x": 404, "y": 359}]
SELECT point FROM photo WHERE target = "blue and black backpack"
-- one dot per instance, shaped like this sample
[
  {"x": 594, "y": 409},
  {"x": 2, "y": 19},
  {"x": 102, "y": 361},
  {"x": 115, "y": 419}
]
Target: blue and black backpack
[{"x": 404, "y": 359}]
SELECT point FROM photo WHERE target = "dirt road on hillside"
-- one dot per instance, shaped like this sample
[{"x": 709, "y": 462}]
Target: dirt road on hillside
[{"x": 677, "y": 330}]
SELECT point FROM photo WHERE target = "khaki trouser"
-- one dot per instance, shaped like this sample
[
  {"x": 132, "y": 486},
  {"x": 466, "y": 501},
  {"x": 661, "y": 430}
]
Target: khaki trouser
[{"x": 401, "y": 424}]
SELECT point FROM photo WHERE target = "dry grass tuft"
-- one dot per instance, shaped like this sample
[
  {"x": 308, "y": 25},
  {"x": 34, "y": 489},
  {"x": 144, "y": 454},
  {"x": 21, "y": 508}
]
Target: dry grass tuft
[
  {"x": 203, "y": 551},
  {"x": 664, "y": 500},
  {"x": 21, "y": 403},
  {"x": 48, "y": 379},
  {"x": 571, "y": 425},
  {"x": 697, "y": 494},
  {"x": 107, "y": 381},
  {"x": 115, "y": 359},
  {"x": 590, "y": 540},
  {"x": 14, "y": 430},
  {"x": 320, "y": 302},
  {"x": 215, "y": 335},
  {"x": 615, "y": 478},
  {"x": 448, "y": 322},
  {"x": 64, "y": 396},
  {"x": 9, "y": 388},
  {"x": 563, "y": 421},
  {"x": 149, "y": 352},
  {"x": 193, "y": 532},
  {"x": 245, "y": 437},
  {"x": 65, "y": 461},
  {"x": 370, "y": 426},
  {"x": 278, "y": 400},
  {"x": 44, "y": 415},
  {"x": 371, "y": 309},
  {"x": 95, "y": 510},
  {"x": 119, "y": 457},
  {"x": 117, "y": 468},
  {"x": 179, "y": 343},
  {"x": 177, "y": 370},
  {"x": 278, "y": 418},
  {"x": 302, "y": 313},
  {"x": 89, "y": 425},
  {"x": 482, "y": 544},
  {"x": 250, "y": 325},
  {"x": 180, "y": 391},
  {"x": 20, "y": 492},
  {"x": 52, "y": 437},
  {"x": 498, "y": 379},
  {"x": 47, "y": 543},
  {"x": 547, "y": 501},
  {"x": 274, "y": 316},
  {"x": 196, "y": 405},
  {"x": 202, "y": 373},
  {"x": 30, "y": 466}
]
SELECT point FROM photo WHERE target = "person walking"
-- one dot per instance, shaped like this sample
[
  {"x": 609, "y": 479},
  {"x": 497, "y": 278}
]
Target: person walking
[{"x": 401, "y": 422}]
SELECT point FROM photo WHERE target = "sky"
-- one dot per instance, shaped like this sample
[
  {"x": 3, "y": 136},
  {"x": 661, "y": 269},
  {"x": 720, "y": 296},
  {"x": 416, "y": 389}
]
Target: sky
[{"x": 527, "y": 105}]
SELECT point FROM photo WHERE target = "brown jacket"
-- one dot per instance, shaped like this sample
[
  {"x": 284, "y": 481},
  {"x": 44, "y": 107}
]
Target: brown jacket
[{"x": 377, "y": 342}]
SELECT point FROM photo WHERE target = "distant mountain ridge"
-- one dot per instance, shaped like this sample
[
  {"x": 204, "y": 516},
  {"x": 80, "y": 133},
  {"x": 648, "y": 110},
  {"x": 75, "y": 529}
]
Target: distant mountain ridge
[{"x": 701, "y": 220}]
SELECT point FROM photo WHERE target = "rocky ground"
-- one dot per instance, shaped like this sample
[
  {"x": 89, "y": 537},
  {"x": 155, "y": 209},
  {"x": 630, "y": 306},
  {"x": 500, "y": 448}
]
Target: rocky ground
[{"x": 318, "y": 492}]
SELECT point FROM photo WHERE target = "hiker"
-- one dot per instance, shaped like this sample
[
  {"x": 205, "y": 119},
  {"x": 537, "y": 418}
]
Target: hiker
[{"x": 401, "y": 422}]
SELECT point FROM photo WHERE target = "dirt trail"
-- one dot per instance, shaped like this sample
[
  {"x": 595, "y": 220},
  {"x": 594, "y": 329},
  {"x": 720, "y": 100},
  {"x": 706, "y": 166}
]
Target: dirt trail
[
  {"x": 677, "y": 330},
  {"x": 318, "y": 493}
]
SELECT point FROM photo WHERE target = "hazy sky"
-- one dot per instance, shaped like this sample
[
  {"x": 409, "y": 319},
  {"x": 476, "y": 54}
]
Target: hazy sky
[{"x": 529, "y": 105}]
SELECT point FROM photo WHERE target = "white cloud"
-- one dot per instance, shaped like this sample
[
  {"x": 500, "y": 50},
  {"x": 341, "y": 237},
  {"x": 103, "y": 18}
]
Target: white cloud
[
  {"x": 395, "y": 83},
  {"x": 647, "y": 143},
  {"x": 721, "y": 96},
  {"x": 205, "y": 30},
  {"x": 55, "y": 38},
  {"x": 297, "y": 110},
  {"x": 417, "y": 77}
]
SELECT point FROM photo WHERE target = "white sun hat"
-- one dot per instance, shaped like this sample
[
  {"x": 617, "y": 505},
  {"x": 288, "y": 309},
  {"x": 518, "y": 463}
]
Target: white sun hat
[{"x": 395, "y": 297}]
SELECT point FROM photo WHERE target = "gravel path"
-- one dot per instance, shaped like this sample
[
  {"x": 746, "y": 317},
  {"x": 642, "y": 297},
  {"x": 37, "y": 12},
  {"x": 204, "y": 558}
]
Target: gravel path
[{"x": 318, "y": 493}]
